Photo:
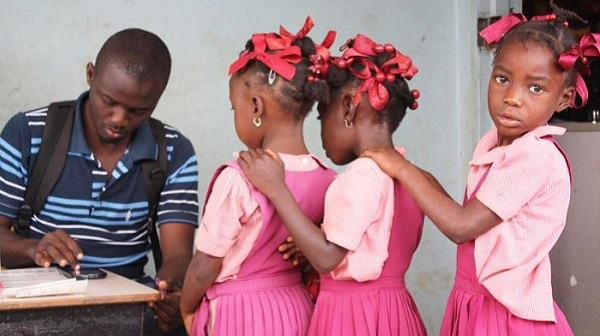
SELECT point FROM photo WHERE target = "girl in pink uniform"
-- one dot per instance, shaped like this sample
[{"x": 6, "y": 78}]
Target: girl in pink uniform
[
  {"x": 518, "y": 186},
  {"x": 237, "y": 282},
  {"x": 371, "y": 226}
]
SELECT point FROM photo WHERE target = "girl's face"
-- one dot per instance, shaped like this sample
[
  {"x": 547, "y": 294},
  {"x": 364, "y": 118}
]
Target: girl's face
[
  {"x": 337, "y": 139},
  {"x": 240, "y": 96},
  {"x": 526, "y": 87}
]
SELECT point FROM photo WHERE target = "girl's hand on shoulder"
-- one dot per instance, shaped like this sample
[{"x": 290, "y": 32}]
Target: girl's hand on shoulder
[
  {"x": 264, "y": 169},
  {"x": 388, "y": 159}
]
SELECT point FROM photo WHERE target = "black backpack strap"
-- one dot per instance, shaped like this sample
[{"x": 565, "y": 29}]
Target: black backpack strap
[
  {"x": 155, "y": 174},
  {"x": 49, "y": 164}
]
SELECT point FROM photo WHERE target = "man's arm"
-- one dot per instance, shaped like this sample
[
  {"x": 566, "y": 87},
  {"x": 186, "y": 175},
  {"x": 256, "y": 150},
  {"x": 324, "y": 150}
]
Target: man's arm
[
  {"x": 176, "y": 240},
  {"x": 18, "y": 251}
]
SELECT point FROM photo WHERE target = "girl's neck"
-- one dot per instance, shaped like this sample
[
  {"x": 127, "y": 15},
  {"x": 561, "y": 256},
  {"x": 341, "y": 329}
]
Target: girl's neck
[
  {"x": 374, "y": 138},
  {"x": 289, "y": 141}
]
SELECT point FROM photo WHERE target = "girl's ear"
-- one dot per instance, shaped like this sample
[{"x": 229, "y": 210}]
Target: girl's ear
[
  {"x": 258, "y": 106},
  {"x": 348, "y": 106},
  {"x": 566, "y": 98}
]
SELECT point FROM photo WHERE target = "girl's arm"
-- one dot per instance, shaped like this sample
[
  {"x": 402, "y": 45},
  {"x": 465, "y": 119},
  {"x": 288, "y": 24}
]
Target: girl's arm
[
  {"x": 201, "y": 274},
  {"x": 265, "y": 171},
  {"x": 459, "y": 223}
]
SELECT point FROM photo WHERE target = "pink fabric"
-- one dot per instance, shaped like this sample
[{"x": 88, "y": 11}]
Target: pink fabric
[
  {"x": 247, "y": 307},
  {"x": 478, "y": 306},
  {"x": 512, "y": 259},
  {"x": 381, "y": 305},
  {"x": 359, "y": 208},
  {"x": 473, "y": 311},
  {"x": 232, "y": 221},
  {"x": 266, "y": 296}
]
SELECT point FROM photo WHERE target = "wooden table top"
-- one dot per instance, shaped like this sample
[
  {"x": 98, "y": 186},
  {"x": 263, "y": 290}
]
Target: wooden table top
[{"x": 111, "y": 290}]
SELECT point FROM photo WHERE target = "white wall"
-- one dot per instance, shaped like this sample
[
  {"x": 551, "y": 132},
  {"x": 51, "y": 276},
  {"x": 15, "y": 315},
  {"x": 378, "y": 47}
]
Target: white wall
[{"x": 44, "y": 46}]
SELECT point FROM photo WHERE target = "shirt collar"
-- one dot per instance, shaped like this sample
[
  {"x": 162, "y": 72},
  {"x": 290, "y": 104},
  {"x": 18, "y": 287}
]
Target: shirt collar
[
  {"x": 142, "y": 146},
  {"x": 487, "y": 151}
]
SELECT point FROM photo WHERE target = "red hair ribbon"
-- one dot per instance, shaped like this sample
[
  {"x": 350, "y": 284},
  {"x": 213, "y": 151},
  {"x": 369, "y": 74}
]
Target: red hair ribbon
[
  {"x": 306, "y": 28},
  {"x": 275, "y": 51},
  {"x": 588, "y": 46},
  {"x": 494, "y": 32},
  {"x": 281, "y": 59},
  {"x": 320, "y": 60},
  {"x": 373, "y": 76}
]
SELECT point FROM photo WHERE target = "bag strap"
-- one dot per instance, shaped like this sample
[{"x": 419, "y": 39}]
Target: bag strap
[
  {"x": 155, "y": 174},
  {"x": 49, "y": 164}
]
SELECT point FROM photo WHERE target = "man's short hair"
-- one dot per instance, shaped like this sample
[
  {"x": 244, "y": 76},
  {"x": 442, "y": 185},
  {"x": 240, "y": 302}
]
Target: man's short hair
[{"x": 142, "y": 54}]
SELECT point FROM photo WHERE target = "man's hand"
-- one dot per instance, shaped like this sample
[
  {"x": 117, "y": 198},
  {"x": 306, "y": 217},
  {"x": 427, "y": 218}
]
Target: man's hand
[
  {"x": 166, "y": 310},
  {"x": 58, "y": 247}
]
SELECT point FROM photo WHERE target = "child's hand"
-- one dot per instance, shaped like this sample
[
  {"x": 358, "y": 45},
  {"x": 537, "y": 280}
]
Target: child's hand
[
  {"x": 290, "y": 251},
  {"x": 388, "y": 159},
  {"x": 264, "y": 169}
]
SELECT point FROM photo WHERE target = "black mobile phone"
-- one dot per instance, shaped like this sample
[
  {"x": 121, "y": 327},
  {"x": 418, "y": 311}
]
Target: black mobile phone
[{"x": 83, "y": 273}]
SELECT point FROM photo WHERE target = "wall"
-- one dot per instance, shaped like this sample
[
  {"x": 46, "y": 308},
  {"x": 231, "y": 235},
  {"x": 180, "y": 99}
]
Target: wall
[{"x": 45, "y": 46}]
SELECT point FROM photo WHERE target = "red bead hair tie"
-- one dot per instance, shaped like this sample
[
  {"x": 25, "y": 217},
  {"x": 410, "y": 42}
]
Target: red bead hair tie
[{"x": 361, "y": 49}]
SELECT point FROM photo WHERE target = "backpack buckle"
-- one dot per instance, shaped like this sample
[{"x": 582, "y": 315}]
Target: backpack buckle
[{"x": 23, "y": 221}]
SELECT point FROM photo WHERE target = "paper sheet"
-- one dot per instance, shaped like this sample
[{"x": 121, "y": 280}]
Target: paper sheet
[{"x": 20, "y": 277}]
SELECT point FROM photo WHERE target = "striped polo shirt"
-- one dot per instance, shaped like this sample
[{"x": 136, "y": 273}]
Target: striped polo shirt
[{"x": 107, "y": 217}]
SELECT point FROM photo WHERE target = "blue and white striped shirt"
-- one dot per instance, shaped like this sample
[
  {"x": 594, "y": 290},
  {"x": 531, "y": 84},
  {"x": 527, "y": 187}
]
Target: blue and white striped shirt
[{"x": 108, "y": 219}]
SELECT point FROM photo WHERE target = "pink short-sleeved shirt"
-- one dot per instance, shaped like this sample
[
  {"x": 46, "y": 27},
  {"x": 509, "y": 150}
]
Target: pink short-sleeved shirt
[
  {"x": 359, "y": 210},
  {"x": 528, "y": 187},
  {"x": 232, "y": 221}
]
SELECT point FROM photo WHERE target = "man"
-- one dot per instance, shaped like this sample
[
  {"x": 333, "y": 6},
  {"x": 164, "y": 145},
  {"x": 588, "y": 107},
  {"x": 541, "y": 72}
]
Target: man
[{"x": 96, "y": 214}]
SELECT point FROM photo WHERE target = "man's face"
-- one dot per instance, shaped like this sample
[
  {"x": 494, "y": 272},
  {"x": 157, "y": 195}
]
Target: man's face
[{"x": 118, "y": 103}]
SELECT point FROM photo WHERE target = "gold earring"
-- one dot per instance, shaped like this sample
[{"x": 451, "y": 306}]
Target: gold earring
[
  {"x": 257, "y": 121},
  {"x": 348, "y": 124}
]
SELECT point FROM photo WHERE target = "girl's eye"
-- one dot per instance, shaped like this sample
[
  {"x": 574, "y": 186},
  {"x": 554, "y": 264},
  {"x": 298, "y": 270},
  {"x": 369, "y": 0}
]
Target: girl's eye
[
  {"x": 536, "y": 88},
  {"x": 501, "y": 79}
]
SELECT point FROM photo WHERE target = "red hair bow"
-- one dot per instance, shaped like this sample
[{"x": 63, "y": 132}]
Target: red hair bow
[
  {"x": 281, "y": 60},
  {"x": 275, "y": 51},
  {"x": 363, "y": 48},
  {"x": 494, "y": 32},
  {"x": 588, "y": 46},
  {"x": 306, "y": 28},
  {"x": 320, "y": 60}
]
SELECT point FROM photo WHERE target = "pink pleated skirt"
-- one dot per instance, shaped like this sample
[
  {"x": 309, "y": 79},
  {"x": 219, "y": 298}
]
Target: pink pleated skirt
[
  {"x": 275, "y": 305},
  {"x": 473, "y": 311},
  {"x": 382, "y": 307}
]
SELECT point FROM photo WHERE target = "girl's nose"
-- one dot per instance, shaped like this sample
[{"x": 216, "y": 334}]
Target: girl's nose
[{"x": 512, "y": 97}]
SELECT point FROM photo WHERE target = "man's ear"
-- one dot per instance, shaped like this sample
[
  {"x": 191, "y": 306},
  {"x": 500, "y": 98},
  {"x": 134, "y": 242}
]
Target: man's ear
[
  {"x": 89, "y": 73},
  {"x": 566, "y": 98}
]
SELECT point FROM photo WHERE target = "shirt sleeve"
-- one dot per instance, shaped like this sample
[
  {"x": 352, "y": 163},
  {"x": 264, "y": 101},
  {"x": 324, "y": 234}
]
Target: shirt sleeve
[
  {"x": 15, "y": 146},
  {"x": 179, "y": 197},
  {"x": 229, "y": 205},
  {"x": 352, "y": 204},
  {"x": 526, "y": 171}
]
